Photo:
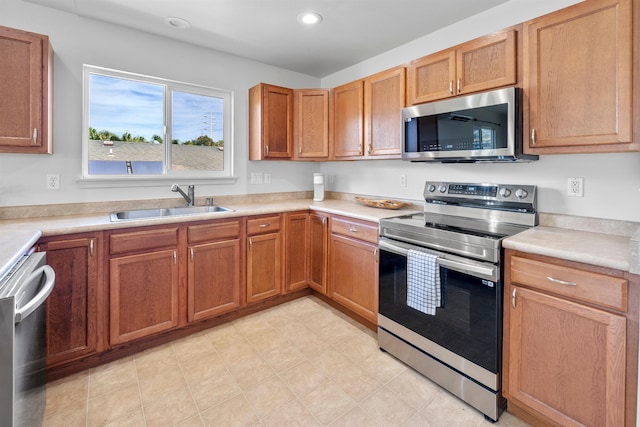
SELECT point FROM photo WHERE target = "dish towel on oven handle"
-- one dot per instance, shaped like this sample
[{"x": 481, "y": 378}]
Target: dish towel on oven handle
[{"x": 424, "y": 291}]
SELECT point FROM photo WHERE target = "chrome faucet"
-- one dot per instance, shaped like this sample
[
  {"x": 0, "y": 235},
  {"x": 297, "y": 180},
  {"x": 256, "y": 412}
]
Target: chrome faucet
[{"x": 190, "y": 198}]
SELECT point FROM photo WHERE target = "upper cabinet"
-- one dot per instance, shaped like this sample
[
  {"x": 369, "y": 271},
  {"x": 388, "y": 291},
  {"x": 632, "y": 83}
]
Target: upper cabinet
[
  {"x": 311, "y": 124},
  {"x": 25, "y": 92},
  {"x": 367, "y": 116},
  {"x": 481, "y": 64},
  {"x": 348, "y": 115},
  {"x": 384, "y": 97},
  {"x": 270, "y": 122},
  {"x": 578, "y": 79}
]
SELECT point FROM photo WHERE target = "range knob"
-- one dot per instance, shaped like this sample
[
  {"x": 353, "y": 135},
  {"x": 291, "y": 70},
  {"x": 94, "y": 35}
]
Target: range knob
[
  {"x": 505, "y": 192},
  {"x": 442, "y": 188},
  {"x": 431, "y": 188},
  {"x": 521, "y": 193}
]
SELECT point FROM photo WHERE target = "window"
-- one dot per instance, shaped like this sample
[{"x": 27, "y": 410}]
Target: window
[{"x": 140, "y": 127}]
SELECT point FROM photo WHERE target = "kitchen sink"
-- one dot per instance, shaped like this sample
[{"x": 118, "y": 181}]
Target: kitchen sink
[{"x": 165, "y": 212}]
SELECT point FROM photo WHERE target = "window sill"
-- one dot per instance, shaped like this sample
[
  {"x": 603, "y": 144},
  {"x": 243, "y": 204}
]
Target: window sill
[{"x": 146, "y": 181}]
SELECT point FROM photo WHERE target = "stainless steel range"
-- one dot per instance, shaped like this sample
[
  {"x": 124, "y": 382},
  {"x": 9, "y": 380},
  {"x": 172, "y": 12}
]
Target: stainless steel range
[{"x": 440, "y": 279}]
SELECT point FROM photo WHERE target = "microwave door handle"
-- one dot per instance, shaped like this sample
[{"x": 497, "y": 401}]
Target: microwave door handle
[{"x": 43, "y": 294}]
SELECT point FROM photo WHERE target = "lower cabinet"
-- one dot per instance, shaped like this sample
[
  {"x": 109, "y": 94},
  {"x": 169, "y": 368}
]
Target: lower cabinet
[
  {"x": 143, "y": 286},
  {"x": 566, "y": 349},
  {"x": 296, "y": 252},
  {"x": 353, "y": 266},
  {"x": 72, "y": 307},
  {"x": 213, "y": 277},
  {"x": 264, "y": 272},
  {"x": 318, "y": 251}
]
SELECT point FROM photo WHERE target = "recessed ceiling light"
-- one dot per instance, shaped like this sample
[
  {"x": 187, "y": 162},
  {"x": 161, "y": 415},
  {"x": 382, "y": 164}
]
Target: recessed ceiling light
[
  {"x": 177, "y": 23},
  {"x": 310, "y": 18}
]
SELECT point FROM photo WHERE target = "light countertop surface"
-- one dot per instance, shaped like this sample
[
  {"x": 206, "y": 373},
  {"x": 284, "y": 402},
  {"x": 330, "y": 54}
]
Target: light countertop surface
[
  {"x": 604, "y": 250},
  {"x": 600, "y": 249}
]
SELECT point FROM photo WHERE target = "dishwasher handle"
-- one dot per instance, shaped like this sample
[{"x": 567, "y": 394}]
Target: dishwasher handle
[{"x": 41, "y": 296}]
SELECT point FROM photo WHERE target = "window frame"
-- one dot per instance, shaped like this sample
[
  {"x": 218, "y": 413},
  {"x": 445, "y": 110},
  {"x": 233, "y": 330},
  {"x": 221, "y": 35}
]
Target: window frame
[{"x": 169, "y": 86}]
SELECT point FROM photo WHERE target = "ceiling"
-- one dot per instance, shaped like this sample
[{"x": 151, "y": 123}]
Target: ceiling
[{"x": 268, "y": 31}]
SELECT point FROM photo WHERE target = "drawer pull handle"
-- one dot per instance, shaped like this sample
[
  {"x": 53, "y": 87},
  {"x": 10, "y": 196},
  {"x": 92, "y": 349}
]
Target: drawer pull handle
[
  {"x": 264, "y": 225},
  {"x": 353, "y": 229},
  {"x": 561, "y": 282}
]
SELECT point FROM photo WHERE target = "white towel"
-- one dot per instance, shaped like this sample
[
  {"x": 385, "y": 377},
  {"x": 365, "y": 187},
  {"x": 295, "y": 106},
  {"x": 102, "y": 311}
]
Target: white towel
[{"x": 423, "y": 281}]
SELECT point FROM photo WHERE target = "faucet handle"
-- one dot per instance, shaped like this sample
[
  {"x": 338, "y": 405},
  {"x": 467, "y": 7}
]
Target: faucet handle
[{"x": 209, "y": 201}]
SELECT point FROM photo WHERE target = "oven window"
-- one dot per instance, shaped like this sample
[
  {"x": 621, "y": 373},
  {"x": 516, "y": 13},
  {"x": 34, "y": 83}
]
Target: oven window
[{"x": 466, "y": 324}]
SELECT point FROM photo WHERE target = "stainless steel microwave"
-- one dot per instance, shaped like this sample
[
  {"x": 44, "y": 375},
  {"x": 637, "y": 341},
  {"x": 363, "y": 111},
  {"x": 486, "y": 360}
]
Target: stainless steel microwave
[{"x": 482, "y": 127}]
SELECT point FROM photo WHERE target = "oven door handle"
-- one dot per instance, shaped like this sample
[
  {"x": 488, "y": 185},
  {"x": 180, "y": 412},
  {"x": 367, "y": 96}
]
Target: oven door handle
[
  {"x": 489, "y": 272},
  {"x": 41, "y": 296}
]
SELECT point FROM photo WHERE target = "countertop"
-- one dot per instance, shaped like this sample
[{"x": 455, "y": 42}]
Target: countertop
[
  {"x": 601, "y": 249},
  {"x": 18, "y": 235},
  {"x": 604, "y": 250}
]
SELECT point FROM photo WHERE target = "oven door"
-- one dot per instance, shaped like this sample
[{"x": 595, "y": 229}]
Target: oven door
[{"x": 467, "y": 326}]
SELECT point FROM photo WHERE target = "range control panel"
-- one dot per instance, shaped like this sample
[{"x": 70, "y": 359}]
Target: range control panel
[{"x": 481, "y": 194}]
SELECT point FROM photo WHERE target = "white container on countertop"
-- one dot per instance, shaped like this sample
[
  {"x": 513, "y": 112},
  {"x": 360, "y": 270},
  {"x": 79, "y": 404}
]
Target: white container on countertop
[{"x": 318, "y": 187}]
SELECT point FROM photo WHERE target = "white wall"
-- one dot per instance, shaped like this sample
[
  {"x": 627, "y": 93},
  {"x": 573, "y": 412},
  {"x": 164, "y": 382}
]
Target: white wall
[
  {"x": 612, "y": 181},
  {"x": 77, "y": 41}
]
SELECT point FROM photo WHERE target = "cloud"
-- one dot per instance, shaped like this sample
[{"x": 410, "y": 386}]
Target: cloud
[{"x": 120, "y": 105}]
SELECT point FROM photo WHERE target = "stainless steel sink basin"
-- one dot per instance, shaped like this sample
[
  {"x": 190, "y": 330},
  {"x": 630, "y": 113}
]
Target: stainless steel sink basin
[{"x": 165, "y": 212}]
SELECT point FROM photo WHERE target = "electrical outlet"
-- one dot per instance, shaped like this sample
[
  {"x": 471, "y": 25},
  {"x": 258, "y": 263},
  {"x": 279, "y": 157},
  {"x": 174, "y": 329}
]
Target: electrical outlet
[
  {"x": 53, "y": 181},
  {"x": 256, "y": 177},
  {"x": 403, "y": 180},
  {"x": 267, "y": 178},
  {"x": 575, "y": 187}
]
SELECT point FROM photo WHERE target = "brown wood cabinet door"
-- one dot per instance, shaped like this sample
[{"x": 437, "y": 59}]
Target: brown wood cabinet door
[
  {"x": 354, "y": 276},
  {"x": 270, "y": 122},
  {"x": 578, "y": 78},
  {"x": 263, "y": 267},
  {"x": 319, "y": 254},
  {"x": 566, "y": 360},
  {"x": 431, "y": 77},
  {"x": 348, "y": 134},
  {"x": 24, "y": 92},
  {"x": 486, "y": 63},
  {"x": 296, "y": 251},
  {"x": 72, "y": 314},
  {"x": 143, "y": 295},
  {"x": 311, "y": 124},
  {"x": 213, "y": 283},
  {"x": 384, "y": 97}
]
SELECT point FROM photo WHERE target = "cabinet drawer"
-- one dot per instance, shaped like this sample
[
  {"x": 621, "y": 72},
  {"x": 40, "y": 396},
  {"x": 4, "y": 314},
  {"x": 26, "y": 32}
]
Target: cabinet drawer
[
  {"x": 265, "y": 224},
  {"x": 355, "y": 229},
  {"x": 143, "y": 240},
  {"x": 595, "y": 288},
  {"x": 214, "y": 231}
]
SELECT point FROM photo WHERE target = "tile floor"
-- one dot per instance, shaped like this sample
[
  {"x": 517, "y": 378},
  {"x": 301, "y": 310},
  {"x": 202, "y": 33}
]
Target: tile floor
[{"x": 302, "y": 363}]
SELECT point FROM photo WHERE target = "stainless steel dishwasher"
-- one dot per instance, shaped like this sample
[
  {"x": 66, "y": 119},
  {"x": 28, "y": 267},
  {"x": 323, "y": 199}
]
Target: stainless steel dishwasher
[{"x": 23, "y": 294}]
